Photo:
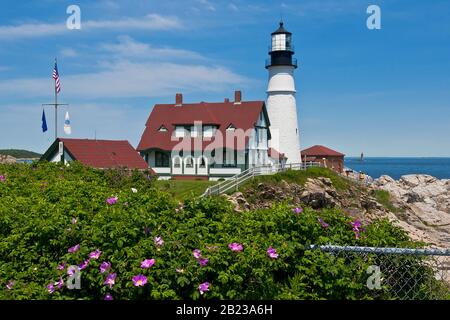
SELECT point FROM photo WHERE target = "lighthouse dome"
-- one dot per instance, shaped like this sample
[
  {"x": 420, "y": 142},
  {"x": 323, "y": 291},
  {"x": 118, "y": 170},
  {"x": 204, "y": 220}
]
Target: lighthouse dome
[{"x": 281, "y": 30}]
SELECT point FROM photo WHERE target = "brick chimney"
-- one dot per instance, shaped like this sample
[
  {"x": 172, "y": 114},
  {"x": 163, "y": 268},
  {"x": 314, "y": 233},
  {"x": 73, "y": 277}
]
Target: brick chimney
[
  {"x": 226, "y": 100},
  {"x": 237, "y": 97},
  {"x": 178, "y": 100}
]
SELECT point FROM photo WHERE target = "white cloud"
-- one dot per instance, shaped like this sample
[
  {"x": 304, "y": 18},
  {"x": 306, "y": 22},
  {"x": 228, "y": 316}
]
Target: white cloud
[
  {"x": 128, "y": 79},
  {"x": 68, "y": 52},
  {"x": 131, "y": 69},
  {"x": 107, "y": 4},
  {"x": 233, "y": 7},
  {"x": 207, "y": 5},
  {"x": 128, "y": 47},
  {"x": 35, "y": 30},
  {"x": 325, "y": 8},
  {"x": 31, "y": 30},
  {"x": 149, "y": 22}
]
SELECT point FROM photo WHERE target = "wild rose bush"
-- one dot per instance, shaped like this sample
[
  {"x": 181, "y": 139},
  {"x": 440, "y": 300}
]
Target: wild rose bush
[{"x": 145, "y": 245}]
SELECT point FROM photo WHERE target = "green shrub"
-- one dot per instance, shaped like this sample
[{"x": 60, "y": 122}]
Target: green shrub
[{"x": 38, "y": 204}]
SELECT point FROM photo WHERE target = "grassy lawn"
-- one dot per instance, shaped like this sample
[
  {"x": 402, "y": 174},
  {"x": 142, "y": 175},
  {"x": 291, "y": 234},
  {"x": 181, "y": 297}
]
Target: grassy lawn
[
  {"x": 301, "y": 176},
  {"x": 181, "y": 189}
]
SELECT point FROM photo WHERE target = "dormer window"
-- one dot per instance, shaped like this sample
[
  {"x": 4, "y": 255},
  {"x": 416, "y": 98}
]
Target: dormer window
[
  {"x": 231, "y": 127},
  {"x": 162, "y": 129}
]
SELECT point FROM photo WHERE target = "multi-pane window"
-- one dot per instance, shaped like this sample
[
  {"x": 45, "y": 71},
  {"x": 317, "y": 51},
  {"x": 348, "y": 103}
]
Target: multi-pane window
[
  {"x": 180, "y": 131},
  {"x": 189, "y": 162},
  {"x": 194, "y": 131},
  {"x": 176, "y": 162},
  {"x": 208, "y": 131},
  {"x": 161, "y": 159},
  {"x": 260, "y": 137},
  {"x": 281, "y": 42}
]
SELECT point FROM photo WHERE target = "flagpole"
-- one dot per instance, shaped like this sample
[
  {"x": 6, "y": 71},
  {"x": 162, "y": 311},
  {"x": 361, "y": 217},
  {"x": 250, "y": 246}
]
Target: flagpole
[
  {"x": 56, "y": 110},
  {"x": 56, "y": 104}
]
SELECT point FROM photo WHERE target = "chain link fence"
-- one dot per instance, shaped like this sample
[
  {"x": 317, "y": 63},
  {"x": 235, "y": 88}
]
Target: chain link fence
[{"x": 396, "y": 273}]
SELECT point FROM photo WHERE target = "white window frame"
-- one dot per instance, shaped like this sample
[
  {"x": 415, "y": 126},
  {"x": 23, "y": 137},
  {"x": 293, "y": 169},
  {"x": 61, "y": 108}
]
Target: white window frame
[{"x": 180, "y": 132}]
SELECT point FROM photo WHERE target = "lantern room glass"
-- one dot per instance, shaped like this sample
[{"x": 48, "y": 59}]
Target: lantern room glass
[{"x": 281, "y": 42}]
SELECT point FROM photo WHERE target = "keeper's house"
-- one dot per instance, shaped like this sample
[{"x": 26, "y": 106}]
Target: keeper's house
[
  {"x": 206, "y": 140},
  {"x": 101, "y": 154}
]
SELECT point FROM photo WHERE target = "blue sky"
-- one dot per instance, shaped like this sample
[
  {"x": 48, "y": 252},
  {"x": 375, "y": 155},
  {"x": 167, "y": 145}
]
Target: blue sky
[{"x": 384, "y": 92}]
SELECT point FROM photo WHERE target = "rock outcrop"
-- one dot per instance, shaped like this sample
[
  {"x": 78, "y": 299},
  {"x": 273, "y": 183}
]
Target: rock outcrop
[
  {"x": 316, "y": 193},
  {"x": 7, "y": 159},
  {"x": 425, "y": 202},
  {"x": 420, "y": 203}
]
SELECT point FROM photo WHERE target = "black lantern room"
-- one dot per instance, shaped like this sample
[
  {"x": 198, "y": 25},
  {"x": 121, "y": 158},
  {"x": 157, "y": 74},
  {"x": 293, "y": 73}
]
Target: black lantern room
[{"x": 281, "y": 49}]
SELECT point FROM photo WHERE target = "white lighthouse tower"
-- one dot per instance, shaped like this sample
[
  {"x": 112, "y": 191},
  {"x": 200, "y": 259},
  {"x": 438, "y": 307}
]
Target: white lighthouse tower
[{"x": 281, "y": 104}]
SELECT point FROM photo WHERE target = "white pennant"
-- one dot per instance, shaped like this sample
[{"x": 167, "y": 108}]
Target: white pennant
[{"x": 67, "y": 128}]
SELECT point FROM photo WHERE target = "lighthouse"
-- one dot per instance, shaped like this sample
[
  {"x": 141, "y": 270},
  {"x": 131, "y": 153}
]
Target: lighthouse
[{"x": 281, "y": 103}]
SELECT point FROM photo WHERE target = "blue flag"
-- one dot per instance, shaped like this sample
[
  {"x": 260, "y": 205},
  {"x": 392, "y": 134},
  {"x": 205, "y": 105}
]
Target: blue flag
[{"x": 44, "y": 122}]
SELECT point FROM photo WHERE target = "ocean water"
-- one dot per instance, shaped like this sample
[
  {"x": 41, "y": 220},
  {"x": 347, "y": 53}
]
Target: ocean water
[{"x": 397, "y": 167}]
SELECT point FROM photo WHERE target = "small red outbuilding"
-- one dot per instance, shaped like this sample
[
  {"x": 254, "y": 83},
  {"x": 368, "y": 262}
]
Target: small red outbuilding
[{"x": 327, "y": 157}]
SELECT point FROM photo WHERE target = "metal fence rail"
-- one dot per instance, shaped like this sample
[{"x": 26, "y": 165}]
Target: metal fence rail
[
  {"x": 396, "y": 273},
  {"x": 376, "y": 250},
  {"x": 234, "y": 182}
]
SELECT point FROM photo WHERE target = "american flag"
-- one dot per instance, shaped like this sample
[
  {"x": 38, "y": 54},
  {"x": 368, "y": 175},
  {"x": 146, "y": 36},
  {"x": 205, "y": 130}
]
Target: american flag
[{"x": 56, "y": 77}]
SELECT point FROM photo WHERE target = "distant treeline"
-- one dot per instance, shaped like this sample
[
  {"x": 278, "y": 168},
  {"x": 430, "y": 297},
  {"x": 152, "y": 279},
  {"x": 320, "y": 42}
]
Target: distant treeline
[{"x": 16, "y": 153}]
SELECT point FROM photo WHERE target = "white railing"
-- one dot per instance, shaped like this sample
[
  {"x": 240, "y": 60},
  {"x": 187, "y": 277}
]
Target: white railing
[{"x": 234, "y": 182}]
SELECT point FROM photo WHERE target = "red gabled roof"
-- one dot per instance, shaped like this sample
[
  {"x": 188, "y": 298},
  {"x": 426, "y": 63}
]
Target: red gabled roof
[
  {"x": 321, "y": 151},
  {"x": 104, "y": 153},
  {"x": 274, "y": 154},
  {"x": 242, "y": 116}
]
